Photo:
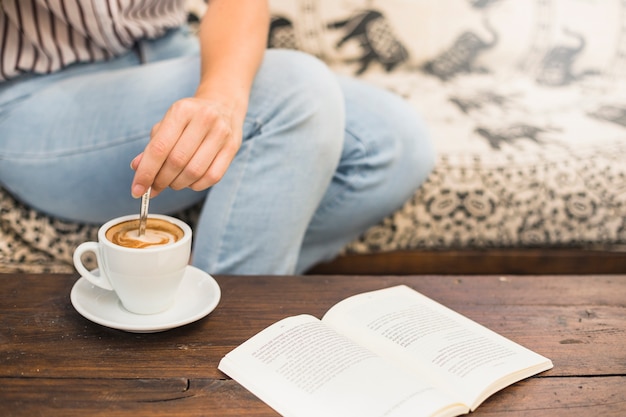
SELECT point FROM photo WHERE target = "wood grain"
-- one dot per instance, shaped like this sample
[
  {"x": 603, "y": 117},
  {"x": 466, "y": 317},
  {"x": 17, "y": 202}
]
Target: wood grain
[
  {"x": 476, "y": 261},
  {"x": 571, "y": 397},
  {"x": 55, "y": 362}
]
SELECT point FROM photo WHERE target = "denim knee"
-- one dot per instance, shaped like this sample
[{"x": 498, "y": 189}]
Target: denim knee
[
  {"x": 386, "y": 134},
  {"x": 298, "y": 95}
]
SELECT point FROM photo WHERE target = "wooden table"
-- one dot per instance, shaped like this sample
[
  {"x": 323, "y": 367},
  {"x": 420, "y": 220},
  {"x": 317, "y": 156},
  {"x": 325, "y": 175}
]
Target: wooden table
[{"x": 55, "y": 362}]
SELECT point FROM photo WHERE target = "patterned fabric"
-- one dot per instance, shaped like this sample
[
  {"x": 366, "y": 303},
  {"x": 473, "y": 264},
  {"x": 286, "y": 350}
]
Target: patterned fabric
[
  {"x": 525, "y": 99},
  {"x": 557, "y": 39}
]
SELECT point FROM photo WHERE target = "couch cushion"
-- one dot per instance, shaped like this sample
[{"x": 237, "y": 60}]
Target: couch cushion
[
  {"x": 520, "y": 165},
  {"x": 526, "y": 105}
]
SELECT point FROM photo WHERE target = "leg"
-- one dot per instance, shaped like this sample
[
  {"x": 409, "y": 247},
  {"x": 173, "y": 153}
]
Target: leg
[
  {"x": 386, "y": 157},
  {"x": 68, "y": 138},
  {"x": 253, "y": 221}
]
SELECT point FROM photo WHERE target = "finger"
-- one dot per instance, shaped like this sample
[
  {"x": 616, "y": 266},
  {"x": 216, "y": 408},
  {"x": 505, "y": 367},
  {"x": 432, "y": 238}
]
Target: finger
[
  {"x": 218, "y": 167},
  {"x": 217, "y": 138},
  {"x": 178, "y": 161},
  {"x": 162, "y": 139},
  {"x": 215, "y": 173},
  {"x": 135, "y": 162}
]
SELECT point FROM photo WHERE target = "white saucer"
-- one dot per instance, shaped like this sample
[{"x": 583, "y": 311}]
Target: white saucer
[{"x": 197, "y": 296}]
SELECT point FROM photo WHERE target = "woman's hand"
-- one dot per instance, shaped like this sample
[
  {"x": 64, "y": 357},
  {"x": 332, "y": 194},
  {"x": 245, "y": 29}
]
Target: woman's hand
[
  {"x": 191, "y": 147},
  {"x": 197, "y": 139}
]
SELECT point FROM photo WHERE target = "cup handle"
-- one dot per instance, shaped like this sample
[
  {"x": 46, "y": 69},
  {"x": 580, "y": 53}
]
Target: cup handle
[{"x": 100, "y": 281}]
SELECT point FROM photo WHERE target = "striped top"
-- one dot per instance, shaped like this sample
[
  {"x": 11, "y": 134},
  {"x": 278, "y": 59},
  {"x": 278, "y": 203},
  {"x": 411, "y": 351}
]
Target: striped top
[{"x": 43, "y": 36}]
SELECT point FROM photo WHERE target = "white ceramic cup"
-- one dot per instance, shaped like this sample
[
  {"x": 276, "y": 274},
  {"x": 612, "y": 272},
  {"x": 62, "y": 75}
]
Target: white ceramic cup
[{"x": 145, "y": 280}]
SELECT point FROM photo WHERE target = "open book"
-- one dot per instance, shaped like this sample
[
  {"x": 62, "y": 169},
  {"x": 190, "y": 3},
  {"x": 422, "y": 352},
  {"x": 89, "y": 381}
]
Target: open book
[{"x": 391, "y": 352}]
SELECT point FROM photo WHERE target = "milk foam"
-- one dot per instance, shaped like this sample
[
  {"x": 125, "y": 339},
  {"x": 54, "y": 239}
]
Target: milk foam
[
  {"x": 157, "y": 233},
  {"x": 149, "y": 238}
]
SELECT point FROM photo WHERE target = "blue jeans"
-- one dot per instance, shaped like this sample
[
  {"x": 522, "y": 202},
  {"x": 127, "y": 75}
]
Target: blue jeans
[{"x": 323, "y": 157}]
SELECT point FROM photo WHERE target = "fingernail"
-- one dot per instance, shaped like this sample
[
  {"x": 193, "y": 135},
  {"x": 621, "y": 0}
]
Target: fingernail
[{"x": 138, "y": 191}]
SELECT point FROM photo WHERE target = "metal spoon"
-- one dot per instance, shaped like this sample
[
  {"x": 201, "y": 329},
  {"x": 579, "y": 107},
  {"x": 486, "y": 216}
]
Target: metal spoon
[{"x": 143, "y": 214}]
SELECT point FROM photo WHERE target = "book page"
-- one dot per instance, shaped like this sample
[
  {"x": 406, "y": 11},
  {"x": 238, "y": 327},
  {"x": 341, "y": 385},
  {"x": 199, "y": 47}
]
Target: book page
[
  {"x": 455, "y": 353},
  {"x": 300, "y": 367}
]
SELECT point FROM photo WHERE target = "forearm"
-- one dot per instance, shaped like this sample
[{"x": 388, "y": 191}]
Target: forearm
[
  {"x": 233, "y": 36},
  {"x": 198, "y": 137}
]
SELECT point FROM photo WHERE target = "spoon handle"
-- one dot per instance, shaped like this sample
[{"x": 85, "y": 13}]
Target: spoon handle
[{"x": 143, "y": 214}]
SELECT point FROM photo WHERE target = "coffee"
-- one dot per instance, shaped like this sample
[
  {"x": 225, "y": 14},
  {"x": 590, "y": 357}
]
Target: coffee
[{"x": 158, "y": 233}]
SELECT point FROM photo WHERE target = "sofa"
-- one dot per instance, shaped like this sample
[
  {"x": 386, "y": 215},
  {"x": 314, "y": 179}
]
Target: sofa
[{"x": 526, "y": 104}]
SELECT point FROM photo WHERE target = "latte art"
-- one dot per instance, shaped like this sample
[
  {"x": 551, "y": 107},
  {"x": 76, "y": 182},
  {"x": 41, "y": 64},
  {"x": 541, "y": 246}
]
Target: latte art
[
  {"x": 131, "y": 238},
  {"x": 158, "y": 233}
]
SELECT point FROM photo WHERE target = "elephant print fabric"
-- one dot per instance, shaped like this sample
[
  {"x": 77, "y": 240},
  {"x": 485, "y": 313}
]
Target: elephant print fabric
[
  {"x": 281, "y": 34},
  {"x": 369, "y": 30},
  {"x": 557, "y": 66},
  {"x": 376, "y": 39},
  {"x": 461, "y": 55}
]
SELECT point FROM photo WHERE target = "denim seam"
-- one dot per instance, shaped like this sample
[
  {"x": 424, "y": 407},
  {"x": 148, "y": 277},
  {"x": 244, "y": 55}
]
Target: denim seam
[
  {"x": 340, "y": 197},
  {"x": 68, "y": 153},
  {"x": 222, "y": 233}
]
